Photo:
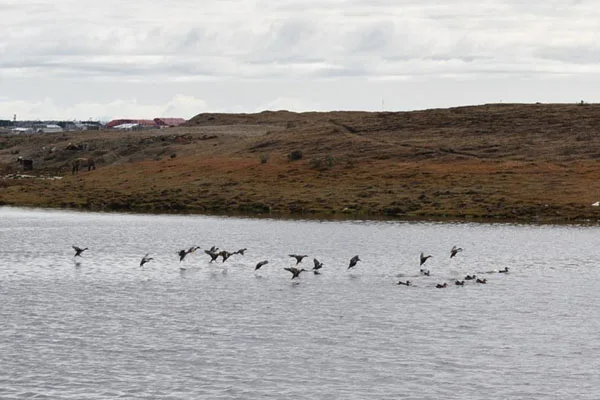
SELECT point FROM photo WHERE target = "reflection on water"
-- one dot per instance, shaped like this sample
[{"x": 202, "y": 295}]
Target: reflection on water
[{"x": 99, "y": 326}]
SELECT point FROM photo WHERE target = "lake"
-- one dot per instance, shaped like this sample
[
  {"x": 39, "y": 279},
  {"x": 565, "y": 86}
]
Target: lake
[{"x": 102, "y": 327}]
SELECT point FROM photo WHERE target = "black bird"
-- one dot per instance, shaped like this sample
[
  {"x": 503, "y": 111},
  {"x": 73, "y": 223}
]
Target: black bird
[
  {"x": 470, "y": 277},
  {"x": 225, "y": 254},
  {"x": 440, "y": 285},
  {"x": 295, "y": 271},
  {"x": 183, "y": 253},
  {"x": 353, "y": 261},
  {"x": 260, "y": 264},
  {"x": 481, "y": 280},
  {"x": 298, "y": 258},
  {"x": 424, "y": 258},
  {"x": 459, "y": 283},
  {"x": 504, "y": 271},
  {"x": 455, "y": 250},
  {"x": 317, "y": 267},
  {"x": 407, "y": 283},
  {"x": 145, "y": 259},
  {"x": 240, "y": 251},
  {"x": 425, "y": 272},
  {"x": 78, "y": 251},
  {"x": 213, "y": 254},
  {"x": 214, "y": 249}
]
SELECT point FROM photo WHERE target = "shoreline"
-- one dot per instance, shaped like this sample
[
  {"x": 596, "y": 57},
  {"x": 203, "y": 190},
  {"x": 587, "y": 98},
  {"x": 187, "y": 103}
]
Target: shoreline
[{"x": 313, "y": 217}]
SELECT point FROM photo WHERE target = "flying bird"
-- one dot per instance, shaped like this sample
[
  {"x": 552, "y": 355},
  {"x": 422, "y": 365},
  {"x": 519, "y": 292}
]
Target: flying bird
[
  {"x": 78, "y": 251},
  {"x": 455, "y": 250},
  {"x": 260, "y": 264},
  {"x": 213, "y": 254},
  {"x": 145, "y": 259},
  {"x": 353, "y": 261},
  {"x": 424, "y": 258},
  {"x": 225, "y": 254},
  {"x": 295, "y": 271},
  {"x": 317, "y": 267},
  {"x": 183, "y": 253},
  {"x": 298, "y": 258}
]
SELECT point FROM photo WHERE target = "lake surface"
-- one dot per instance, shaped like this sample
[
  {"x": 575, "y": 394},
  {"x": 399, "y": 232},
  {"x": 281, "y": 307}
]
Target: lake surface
[{"x": 101, "y": 327}]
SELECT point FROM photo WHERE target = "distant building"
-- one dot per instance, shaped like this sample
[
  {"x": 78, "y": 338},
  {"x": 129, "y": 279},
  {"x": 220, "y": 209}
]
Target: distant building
[
  {"x": 20, "y": 130},
  {"x": 169, "y": 122},
  {"x": 50, "y": 128},
  {"x": 142, "y": 123}
]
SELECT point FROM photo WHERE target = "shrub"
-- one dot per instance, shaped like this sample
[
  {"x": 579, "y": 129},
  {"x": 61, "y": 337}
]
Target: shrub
[
  {"x": 264, "y": 157},
  {"x": 295, "y": 155}
]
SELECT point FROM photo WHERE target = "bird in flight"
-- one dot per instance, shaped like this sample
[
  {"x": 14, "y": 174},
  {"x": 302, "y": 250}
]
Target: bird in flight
[
  {"x": 455, "y": 250},
  {"x": 317, "y": 267},
  {"x": 353, "y": 261},
  {"x": 424, "y": 258},
  {"x": 298, "y": 258},
  {"x": 78, "y": 251},
  {"x": 145, "y": 259},
  {"x": 260, "y": 264},
  {"x": 295, "y": 271}
]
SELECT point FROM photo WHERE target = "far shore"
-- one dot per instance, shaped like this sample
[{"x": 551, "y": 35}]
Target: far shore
[{"x": 508, "y": 163}]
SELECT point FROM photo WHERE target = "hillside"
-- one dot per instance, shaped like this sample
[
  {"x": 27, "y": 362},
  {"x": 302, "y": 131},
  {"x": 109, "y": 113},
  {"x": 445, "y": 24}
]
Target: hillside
[{"x": 524, "y": 162}]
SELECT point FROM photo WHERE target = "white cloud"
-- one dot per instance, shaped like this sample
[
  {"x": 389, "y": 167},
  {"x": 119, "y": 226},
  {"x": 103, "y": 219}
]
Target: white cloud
[
  {"x": 229, "y": 42},
  {"x": 181, "y": 106}
]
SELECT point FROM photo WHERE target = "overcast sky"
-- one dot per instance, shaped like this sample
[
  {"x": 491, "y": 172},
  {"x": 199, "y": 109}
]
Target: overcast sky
[{"x": 80, "y": 59}]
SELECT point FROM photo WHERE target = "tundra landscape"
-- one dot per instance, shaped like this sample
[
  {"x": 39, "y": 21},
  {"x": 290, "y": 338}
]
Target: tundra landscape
[{"x": 497, "y": 162}]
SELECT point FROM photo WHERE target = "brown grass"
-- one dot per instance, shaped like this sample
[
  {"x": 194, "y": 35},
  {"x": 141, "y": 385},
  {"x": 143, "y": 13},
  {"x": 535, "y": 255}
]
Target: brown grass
[{"x": 534, "y": 163}]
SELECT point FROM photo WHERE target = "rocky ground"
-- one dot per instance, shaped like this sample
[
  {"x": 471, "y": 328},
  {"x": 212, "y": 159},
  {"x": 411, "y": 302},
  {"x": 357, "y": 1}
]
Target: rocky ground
[{"x": 499, "y": 162}]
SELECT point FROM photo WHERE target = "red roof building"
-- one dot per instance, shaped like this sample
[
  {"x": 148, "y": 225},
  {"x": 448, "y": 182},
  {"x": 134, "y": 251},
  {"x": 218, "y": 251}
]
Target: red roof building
[{"x": 169, "y": 121}]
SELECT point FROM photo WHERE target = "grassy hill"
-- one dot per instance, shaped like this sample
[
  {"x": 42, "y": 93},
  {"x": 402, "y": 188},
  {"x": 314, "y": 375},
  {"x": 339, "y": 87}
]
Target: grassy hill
[{"x": 524, "y": 162}]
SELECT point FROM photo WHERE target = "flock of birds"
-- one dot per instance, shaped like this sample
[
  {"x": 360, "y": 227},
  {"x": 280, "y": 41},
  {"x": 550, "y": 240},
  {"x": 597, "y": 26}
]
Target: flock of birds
[{"x": 214, "y": 253}]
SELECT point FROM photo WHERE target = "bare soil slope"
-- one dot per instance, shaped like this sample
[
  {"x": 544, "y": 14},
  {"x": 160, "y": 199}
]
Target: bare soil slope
[{"x": 534, "y": 163}]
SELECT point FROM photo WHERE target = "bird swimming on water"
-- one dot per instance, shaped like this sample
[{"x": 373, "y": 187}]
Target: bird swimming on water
[
  {"x": 407, "y": 283},
  {"x": 455, "y": 250},
  {"x": 260, "y": 264},
  {"x": 441, "y": 286},
  {"x": 295, "y": 271},
  {"x": 481, "y": 280},
  {"x": 240, "y": 251},
  {"x": 424, "y": 258},
  {"x": 459, "y": 283},
  {"x": 504, "y": 271},
  {"x": 353, "y": 261},
  {"x": 78, "y": 251},
  {"x": 145, "y": 259},
  {"x": 298, "y": 258}
]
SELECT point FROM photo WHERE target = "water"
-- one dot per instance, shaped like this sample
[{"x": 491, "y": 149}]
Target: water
[{"x": 105, "y": 328}]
